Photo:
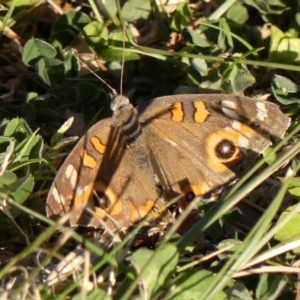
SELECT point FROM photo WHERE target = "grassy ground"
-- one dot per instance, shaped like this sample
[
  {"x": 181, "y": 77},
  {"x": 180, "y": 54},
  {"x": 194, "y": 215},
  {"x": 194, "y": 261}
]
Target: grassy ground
[{"x": 49, "y": 53}]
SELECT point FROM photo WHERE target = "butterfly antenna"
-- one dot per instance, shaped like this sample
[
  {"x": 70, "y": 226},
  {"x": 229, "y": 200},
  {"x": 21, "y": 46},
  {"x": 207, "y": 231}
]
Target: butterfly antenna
[
  {"x": 123, "y": 61},
  {"x": 97, "y": 76},
  {"x": 117, "y": 2}
]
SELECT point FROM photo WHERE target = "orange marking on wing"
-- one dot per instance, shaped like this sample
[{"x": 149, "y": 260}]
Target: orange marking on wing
[
  {"x": 71, "y": 195},
  {"x": 88, "y": 160},
  {"x": 83, "y": 195},
  {"x": 177, "y": 112},
  {"x": 214, "y": 162},
  {"x": 100, "y": 213},
  {"x": 115, "y": 204},
  {"x": 135, "y": 216},
  {"x": 116, "y": 209},
  {"x": 198, "y": 189},
  {"x": 201, "y": 112},
  {"x": 95, "y": 141},
  {"x": 244, "y": 129},
  {"x": 138, "y": 213},
  {"x": 148, "y": 209}
]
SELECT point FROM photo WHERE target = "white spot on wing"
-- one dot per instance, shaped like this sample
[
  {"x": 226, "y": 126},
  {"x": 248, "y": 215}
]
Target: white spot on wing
[
  {"x": 81, "y": 202},
  {"x": 71, "y": 175},
  {"x": 229, "y": 104},
  {"x": 171, "y": 142},
  {"x": 228, "y": 108},
  {"x": 236, "y": 125},
  {"x": 262, "y": 112},
  {"x": 56, "y": 196},
  {"x": 243, "y": 141},
  {"x": 79, "y": 191}
]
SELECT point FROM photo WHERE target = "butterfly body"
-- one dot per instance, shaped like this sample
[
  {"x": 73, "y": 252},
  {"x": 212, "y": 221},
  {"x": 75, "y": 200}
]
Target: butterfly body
[{"x": 188, "y": 145}]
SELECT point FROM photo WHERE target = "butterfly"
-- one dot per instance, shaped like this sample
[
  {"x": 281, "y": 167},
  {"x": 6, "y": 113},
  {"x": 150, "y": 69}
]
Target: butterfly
[{"x": 124, "y": 167}]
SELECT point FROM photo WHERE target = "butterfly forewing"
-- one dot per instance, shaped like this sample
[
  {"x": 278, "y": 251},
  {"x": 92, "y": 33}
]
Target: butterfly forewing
[{"x": 103, "y": 180}]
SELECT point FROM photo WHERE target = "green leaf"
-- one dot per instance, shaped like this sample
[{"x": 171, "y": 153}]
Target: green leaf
[
  {"x": 270, "y": 286},
  {"x": 291, "y": 229},
  {"x": 156, "y": 267},
  {"x": 71, "y": 64},
  {"x": 237, "y": 80},
  {"x": 29, "y": 149},
  {"x": 197, "y": 38},
  {"x": 283, "y": 49},
  {"x": 297, "y": 18},
  {"x": 7, "y": 178},
  {"x": 191, "y": 284},
  {"x": 200, "y": 65},
  {"x": 71, "y": 20},
  {"x": 108, "y": 8},
  {"x": 181, "y": 18},
  {"x": 56, "y": 141},
  {"x": 18, "y": 129},
  {"x": 7, "y": 188},
  {"x": 7, "y": 148},
  {"x": 239, "y": 291},
  {"x": 28, "y": 146},
  {"x": 269, "y": 158},
  {"x": 63, "y": 143},
  {"x": 238, "y": 13},
  {"x": 294, "y": 187},
  {"x": 276, "y": 37},
  {"x": 36, "y": 49},
  {"x": 20, "y": 3},
  {"x": 162, "y": 22},
  {"x": 22, "y": 188},
  {"x": 62, "y": 39},
  {"x": 63, "y": 129},
  {"x": 134, "y": 10},
  {"x": 118, "y": 39},
  {"x": 285, "y": 98},
  {"x": 233, "y": 244},
  {"x": 285, "y": 84},
  {"x": 96, "y": 34},
  {"x": 96, "y": 294},
  {"x": 31, "y": 96},
  {"x": 106, "y": 46},
  {"x": 52, "y": 71},
  {"x": 110, "y": 54}
]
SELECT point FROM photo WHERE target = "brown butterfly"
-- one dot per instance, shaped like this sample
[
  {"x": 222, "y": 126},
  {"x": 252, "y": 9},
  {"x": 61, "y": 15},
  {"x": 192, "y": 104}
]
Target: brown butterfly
[{"x": 188, "y": 145}]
